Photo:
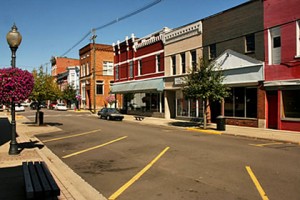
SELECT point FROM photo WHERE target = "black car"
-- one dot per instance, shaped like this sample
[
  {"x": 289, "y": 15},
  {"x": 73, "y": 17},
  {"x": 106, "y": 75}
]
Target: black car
[{"x": 110, "y": 114}]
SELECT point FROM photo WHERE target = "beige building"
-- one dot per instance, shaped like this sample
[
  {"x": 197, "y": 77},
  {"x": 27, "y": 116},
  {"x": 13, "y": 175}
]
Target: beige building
[{"x": 183, "y": 50}]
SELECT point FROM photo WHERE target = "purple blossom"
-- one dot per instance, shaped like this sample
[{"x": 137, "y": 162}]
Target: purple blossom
[{"x": 15, "y": 85}]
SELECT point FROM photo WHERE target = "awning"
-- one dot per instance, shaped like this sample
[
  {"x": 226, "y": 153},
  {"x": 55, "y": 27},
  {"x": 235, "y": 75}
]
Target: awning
[{"x": 154, "y": 85}]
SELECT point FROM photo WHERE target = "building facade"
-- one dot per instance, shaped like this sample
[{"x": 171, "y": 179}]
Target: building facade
[
  {"x": 96, "y": 75},
  {"x": 183, "y": 51},
  {"x": 234, "y": 41},
  {"x": 282, "y": 58},
  {"x": 59, "y": 65},
  {"x": 139, "y": 70}
]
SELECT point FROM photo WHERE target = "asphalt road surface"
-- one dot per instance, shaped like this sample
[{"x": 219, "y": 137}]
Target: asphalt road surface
[{"x": 127, "y": 160}]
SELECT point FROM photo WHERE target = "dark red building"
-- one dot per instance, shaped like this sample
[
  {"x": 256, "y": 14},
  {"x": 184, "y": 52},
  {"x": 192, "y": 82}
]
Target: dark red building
[
  {"x": 282, "y": 63},
  {"x": 138, "y": 73}
]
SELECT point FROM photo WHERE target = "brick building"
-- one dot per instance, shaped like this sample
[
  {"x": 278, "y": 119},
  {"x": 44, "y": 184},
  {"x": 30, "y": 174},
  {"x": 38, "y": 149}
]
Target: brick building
[
  {"x": 282, "y": 58},
  {"x": 239, "y": 52},
  {"x": 59, "y": 65},
  {"x": 95, "y": 84}
]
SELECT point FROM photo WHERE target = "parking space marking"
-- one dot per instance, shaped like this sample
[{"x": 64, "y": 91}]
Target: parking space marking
[
  {"x": 137, "y": 176},
  {"x": 70, "y": 136},
  {"x": 266, "y": 144},
  {"x": 92, "y": 148},
  {"x": 257, "y": 184}
]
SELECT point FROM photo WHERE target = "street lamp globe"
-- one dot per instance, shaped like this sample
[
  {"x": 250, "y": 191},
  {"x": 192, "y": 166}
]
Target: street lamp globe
[{"x": 13, "y": 37}]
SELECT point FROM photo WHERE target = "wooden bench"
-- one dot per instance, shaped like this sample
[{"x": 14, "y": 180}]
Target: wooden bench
[
  {"x": 39, "y": 183},
  {"x": 139, "y": 118}
]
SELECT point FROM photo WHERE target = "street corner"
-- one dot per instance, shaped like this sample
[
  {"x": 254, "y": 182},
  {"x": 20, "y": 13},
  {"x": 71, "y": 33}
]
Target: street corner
[{"x": 207, "y": 131}]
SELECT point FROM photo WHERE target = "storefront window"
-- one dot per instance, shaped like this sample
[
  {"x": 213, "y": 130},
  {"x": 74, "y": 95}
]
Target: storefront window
[
  {"x": 242, "y": 102},
  {"x": 182, "y": 107},
  {"x": 291, "y": 106},
  {"x": 193, "y": 108}
]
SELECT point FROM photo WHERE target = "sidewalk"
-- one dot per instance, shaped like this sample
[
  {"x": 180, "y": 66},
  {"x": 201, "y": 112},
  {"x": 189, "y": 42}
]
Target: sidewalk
[{"x": 72, "y": 186}]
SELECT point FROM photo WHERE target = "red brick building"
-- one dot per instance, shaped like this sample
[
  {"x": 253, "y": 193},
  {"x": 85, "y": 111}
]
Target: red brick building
[
  {"x": 139, "y": 70},
  {"x": 59, "y": 65},
  {"x": 95, "y": 85},
  {"x": 282, "y": 62}
]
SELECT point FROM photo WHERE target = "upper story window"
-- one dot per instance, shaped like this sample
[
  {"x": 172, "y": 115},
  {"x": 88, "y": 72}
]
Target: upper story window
[
  {"x": 117, "y": 72},
  {"x": 83, "y": 70},
  {"x": 173, "y": 65},
  {"x": 140, "y": 67},
  {"x": 183, "y": 64},
  {"x": 298, "y": 38},
  {"x": 194, "y": 60},
  {"x": 250, "y": 43},
  {"x": 158, "y": 64},
  {"x": 212, "y": 51},
  {"x": 87, "y": 69},
  {"x": 99, "y": 87},
  {"x": 274, "y": 46},
  {"x": 108, "y": 68},
  {"x": 131, "y": 69}
]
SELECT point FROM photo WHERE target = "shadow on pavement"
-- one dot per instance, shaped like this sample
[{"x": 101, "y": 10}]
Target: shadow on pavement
[
  {"x": 29, "y": 145},
  {"x": 184, "y": 124},
  {"x": 44, "y": 124},
  {"x": 12, "y": 183},
  {"x": 5, "y": 131}
]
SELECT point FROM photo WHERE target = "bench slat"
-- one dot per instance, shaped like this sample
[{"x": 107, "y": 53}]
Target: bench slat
[
  {"x": 53, "y": 184},
  {"x": 44, "y": 181},
  {"x": 28, "y": 183},
  {"x": 38, "y": 190}
]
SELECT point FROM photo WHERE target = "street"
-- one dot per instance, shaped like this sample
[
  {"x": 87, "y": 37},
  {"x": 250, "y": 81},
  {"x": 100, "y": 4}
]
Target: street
[{"x": 128, "y": 160}]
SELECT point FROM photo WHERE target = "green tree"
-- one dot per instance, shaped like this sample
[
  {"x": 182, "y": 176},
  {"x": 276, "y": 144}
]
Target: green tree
[
  {"x": 69, "y": 94},
  {"x": 44, "y": 89},
  {"x": 205, "y": 82}
]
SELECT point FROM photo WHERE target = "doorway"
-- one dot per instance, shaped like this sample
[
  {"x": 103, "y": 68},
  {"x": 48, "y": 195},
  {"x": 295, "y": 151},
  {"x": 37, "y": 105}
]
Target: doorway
[{"x": 272, "y": 98}]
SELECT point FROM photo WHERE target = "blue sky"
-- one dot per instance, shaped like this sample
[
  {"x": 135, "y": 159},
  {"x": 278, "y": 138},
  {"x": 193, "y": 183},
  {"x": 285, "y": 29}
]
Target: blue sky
[{"x": 50, "y": 28}]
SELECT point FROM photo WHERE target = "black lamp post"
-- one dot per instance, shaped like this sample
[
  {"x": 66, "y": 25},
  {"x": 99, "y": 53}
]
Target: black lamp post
[{"x": 14, "y": 39}]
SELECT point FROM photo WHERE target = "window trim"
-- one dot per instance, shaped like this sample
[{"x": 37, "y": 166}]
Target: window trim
[
  {"x": 297, "y": 39},
  {"x": 99, "y": 83}
]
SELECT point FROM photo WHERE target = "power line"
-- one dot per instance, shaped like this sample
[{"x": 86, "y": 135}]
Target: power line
[{"x": 145, "y": 7}]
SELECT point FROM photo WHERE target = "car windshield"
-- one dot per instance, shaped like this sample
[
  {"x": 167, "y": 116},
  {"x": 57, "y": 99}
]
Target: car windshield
[
  {"x": 113, "y": 110},
  {"x": 60, "y": 104}
]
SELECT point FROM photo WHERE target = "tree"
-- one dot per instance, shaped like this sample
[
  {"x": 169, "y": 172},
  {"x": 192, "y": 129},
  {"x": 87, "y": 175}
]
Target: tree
[
  {"x": 205, "y": 83},
  {"x": 111, "y": 99},
  {"x": 44, "y": 89},
  {"x": 15, "y": 85},
  {"x": 69, "y": 94}
]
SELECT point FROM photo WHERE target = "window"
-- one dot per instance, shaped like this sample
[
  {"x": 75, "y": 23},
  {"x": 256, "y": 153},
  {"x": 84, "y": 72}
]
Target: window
[
  {"x": 87, "y": 69},
  {"x": 108, "y": 68},
  {"x": 274, "y": 46},
  {"x": 173, "y": 65},
  {"x": 183, "y": 65},
  {"x": 212, "y": 51},
  {"x": 158, "y": 65},
  {"x": 250, "y": 43},
  {"x": 298, "y": 38},
  {"x": 194, "y": 60},
  {"x": 83, "y": 70},
  {"x": 99, "y": 85},
  {"x": 290, "y": 102},
  {"x": 131, "y": 69},
  {"x": 117, "y": 72},
  {"x": 140, "y": 67},
  {"x": 241, "y": 103}
]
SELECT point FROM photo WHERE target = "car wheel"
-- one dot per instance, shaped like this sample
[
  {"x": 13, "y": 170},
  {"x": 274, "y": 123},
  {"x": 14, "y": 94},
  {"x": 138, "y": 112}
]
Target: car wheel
[{"x": 108, "y": 117}]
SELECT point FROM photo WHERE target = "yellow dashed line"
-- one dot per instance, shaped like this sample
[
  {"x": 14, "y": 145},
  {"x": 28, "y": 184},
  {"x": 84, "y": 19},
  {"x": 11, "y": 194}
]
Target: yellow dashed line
[
  {"x": 95, "y": 147},
  {"x": 257, "y": 184},
  {"x": 70, "y": 136},
  {"x": 266, "y": 144},
  {"x": 137, "y": 176}
]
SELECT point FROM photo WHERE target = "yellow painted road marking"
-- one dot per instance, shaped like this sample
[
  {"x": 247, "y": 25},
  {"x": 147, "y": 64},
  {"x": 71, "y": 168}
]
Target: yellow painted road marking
[
  {"x": 70, "y": 136},
  {"x": 205, "y": 131},
  {"x": 266, "y": 144},
  {"x": 257, "y": 184},
  {"x": 95, "y": 147},
  {"x": 137, "y": 176}
]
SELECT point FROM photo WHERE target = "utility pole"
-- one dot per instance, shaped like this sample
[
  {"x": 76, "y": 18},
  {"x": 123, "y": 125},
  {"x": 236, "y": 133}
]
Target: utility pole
[{"x": 94, "y": 67}]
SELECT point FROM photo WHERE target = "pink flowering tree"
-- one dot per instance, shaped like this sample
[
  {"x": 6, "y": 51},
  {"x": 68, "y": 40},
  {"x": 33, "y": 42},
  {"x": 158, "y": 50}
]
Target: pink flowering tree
[
  {"x": 110, "y": 100},
  {"x": 15, "y": 85}
]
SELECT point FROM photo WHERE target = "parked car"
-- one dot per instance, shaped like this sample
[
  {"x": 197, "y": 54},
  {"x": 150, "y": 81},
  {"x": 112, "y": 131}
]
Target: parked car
[
  {"x": 110, "y": 114},
  {"x": 19, "y": 108},
  {"x": 33, "y": 105},
  {"x": 61, "y": 107},
  {"x": 25, "y": 104},
  {"x": 52, "y": 105}
]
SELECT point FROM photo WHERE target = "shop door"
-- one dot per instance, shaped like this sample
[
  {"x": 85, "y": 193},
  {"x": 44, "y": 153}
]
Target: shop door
[
  {"x": 272, "y": 98},
  {"x": 215, "y": 108}
]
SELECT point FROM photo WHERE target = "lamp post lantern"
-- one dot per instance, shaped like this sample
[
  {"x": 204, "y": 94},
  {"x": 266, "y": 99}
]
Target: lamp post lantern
[{"x": 14, "y": 39}]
